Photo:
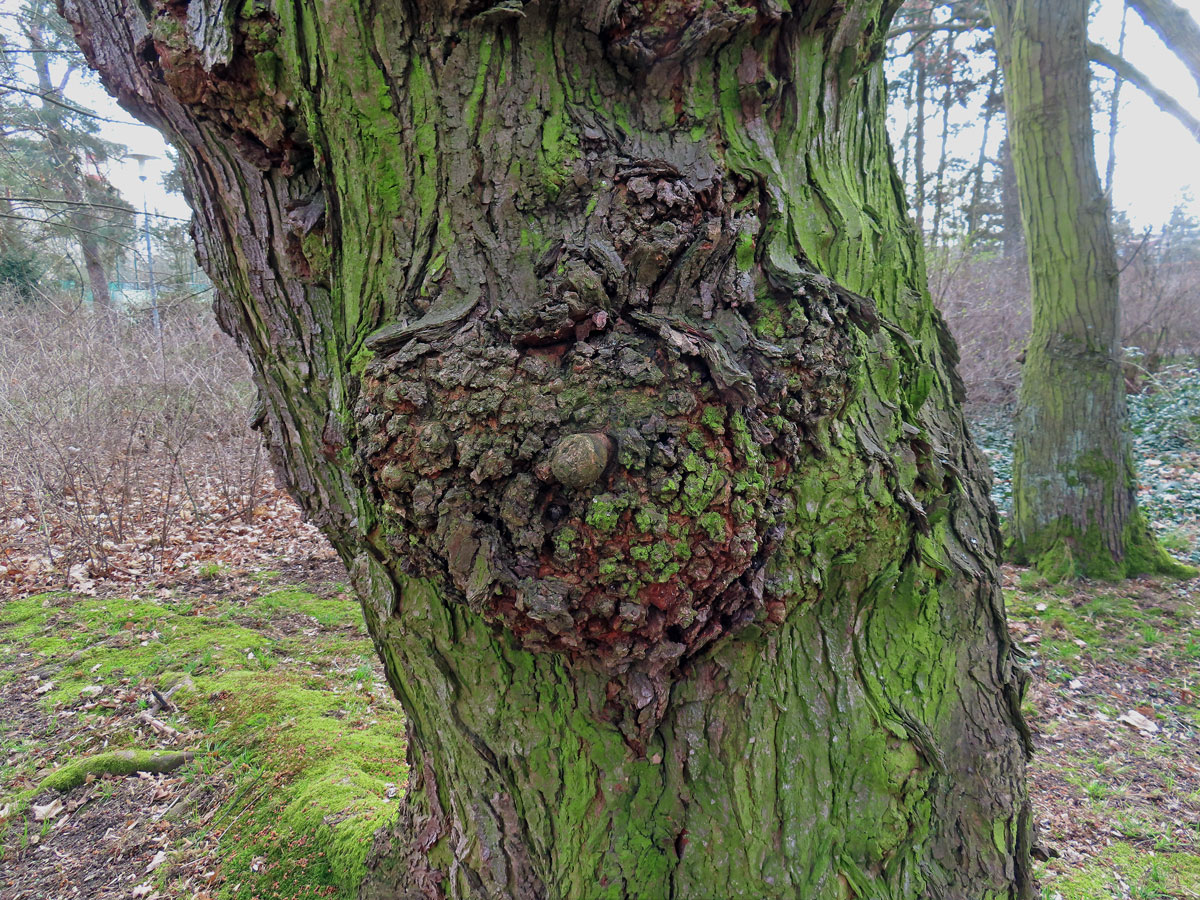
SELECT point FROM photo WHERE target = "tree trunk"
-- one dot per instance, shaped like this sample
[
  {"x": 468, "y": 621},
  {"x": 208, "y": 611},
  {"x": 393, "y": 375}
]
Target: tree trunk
[
  {"x": 1074, "y": 491},
  {"x": 920, "y": 59},
  {"x": 1010, "y": 202},
  {"x": 939, "y": 192},
  {"x": 975, "y": 207},
  {"x": 596, "y": 339}
]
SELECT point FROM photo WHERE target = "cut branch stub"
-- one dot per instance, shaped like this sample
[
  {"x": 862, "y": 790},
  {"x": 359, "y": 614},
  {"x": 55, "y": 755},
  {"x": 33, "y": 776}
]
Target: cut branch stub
[{"x": 580, "y": 459}]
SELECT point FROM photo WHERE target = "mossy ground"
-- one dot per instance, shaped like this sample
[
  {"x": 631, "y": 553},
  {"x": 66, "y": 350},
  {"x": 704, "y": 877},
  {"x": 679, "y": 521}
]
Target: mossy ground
[
  {"x": 1119, "y": 806},
  {"x": 282, "y": 700},
  {"x": 301, "y": 744}
]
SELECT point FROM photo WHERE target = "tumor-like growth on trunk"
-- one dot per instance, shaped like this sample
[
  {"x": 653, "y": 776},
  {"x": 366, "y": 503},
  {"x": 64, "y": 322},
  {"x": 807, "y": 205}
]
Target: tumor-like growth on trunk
[{"x": 604, "y": 468}]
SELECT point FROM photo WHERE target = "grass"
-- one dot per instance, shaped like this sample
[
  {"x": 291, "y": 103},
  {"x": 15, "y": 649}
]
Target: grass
[
  {"x": 277, "y": 692},
  {"x": 1121, "y": 806},
  {"x": 1123, "y": 870}
]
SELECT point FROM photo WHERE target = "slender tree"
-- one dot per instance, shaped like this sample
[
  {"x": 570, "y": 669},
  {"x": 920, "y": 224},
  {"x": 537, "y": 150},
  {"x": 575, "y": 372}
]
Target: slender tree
[
  {"x": 46, "y": 141},
  {"x": 1114, "y": 109},
  {"x": 1074, "y": 489},
  {"x": 595, "y": 338}
]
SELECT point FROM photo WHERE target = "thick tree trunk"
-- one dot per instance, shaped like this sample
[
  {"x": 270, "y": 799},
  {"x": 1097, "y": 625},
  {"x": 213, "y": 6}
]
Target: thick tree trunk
[
  {"x": 596, "y": 339},
  {"x": 1074, "y": 491}
]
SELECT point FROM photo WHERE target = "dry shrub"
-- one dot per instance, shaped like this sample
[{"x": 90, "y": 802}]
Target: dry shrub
[
  {"x": 1160, "y": 306},
  {"x": 117, "y": 437},
  {"x": 985, "y": 299}
]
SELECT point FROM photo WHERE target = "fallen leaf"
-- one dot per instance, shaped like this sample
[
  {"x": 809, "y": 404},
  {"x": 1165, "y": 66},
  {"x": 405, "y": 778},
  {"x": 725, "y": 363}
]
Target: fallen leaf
[
  {"x": 49, "y": 811},
  {"x": 1135, "y": 719}
]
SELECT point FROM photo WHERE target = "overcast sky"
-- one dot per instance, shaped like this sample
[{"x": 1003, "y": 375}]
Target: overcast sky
[{"x": 1158, "y": 162}]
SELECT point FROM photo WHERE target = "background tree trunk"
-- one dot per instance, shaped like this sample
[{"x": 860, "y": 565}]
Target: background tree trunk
[
  {"x": 596, "y": 339},
  {"x": 1074, "y": 492},
  {"x": 1010, "y": 202}
]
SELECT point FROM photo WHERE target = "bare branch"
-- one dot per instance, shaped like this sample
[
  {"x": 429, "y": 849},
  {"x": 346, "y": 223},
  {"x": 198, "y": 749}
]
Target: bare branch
[
  {"x": 1161, "y": 98},
  {"x": 1177, "y": 29},
  {"x": 49, "y": 98}
]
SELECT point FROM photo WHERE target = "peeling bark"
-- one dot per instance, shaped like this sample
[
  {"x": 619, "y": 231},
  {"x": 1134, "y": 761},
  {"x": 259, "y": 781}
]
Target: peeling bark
[{"x": 596, "y": 339}]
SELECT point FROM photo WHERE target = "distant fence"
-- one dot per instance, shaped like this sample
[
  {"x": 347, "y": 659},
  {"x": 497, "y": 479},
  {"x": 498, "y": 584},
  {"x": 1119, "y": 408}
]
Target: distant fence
[{"x": 136, "y": 294}]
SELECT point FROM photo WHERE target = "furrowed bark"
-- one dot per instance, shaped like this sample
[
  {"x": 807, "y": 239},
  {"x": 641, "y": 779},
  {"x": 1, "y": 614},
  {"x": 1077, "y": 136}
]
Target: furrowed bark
[
  {"x": 1074, "y": 490},
  {"x": 597, "y": 341}
]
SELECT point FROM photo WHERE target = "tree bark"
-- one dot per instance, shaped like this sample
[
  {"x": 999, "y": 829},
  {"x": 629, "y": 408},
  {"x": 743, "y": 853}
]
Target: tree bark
[
  {"x": 596, "y": 339},
  {"x": 1074, "y": 489}
]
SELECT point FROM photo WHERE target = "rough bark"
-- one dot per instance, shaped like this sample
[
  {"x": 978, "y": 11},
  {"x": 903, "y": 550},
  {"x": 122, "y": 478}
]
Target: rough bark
[
  {"x": 596, "y": 339},
  {"x": 1074, "y": 491}
]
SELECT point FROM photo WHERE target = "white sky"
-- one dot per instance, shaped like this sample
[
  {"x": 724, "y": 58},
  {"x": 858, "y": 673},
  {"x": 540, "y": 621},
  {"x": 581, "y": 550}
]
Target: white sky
[{"x": 1158, "y": 162}]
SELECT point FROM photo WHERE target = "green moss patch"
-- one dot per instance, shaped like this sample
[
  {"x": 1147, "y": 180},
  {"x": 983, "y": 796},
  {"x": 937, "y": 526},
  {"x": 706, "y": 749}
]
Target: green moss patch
[
  {"x": 1125, "y": 871},
  {"x": 280, "y": 695}
]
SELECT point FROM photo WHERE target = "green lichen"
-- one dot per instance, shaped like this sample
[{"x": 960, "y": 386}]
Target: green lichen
[
  {"x": 713, "y": 418},
  {"x": 714, "y": 526},
  {"x": 604, "y": 513}
]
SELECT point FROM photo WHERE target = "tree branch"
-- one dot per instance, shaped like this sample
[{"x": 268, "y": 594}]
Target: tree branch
[
  {"x": 924, "y": 29},
  {"x": 1177, "y": 29},
  {"x": 1161, "y": 98},
  {"x": 85, "y": 204},
  {"x": 49, "y": 98}
]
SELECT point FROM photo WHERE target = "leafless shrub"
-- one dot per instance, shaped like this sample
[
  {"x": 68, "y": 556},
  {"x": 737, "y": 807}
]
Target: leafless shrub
[
  {"x": 1160, "y": 305},
  {"x": 985, "y": 299},
  {"x": 118, "y": 438}
]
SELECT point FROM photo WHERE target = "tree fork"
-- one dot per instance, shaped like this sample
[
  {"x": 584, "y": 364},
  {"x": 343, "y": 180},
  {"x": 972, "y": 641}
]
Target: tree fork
[{"x": 597, "y": 341}]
